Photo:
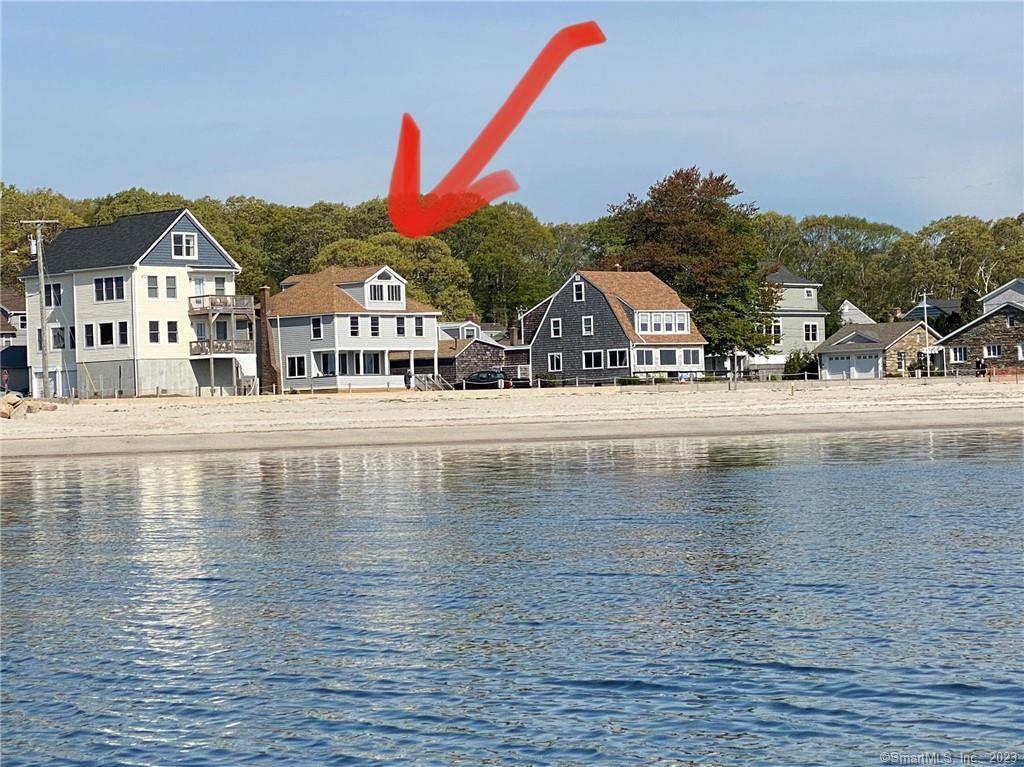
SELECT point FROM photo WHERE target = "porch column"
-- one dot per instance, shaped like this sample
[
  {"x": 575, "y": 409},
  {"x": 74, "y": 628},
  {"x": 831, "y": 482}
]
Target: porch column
[
  {"x": 412, "y": 362},
  {"x": 387, "y": 363},
  {"x": 211, "y": 371},
  {"x": 435, "y": 361}
]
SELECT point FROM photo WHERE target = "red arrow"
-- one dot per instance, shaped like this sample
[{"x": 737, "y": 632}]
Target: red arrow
[{"x": 458, "y": 194}]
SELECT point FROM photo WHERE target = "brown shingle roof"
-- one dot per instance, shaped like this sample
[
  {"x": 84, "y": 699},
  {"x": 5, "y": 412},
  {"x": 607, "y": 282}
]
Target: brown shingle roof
[
  {"x": 445, "y": 350},
  {"x": 641, "y": 291},
  {"x": 879, "y": 335},
  {"x": 319, "y": 293},
  {"x": 12, "y": 300},
  {"x": 6, "y": 327}
]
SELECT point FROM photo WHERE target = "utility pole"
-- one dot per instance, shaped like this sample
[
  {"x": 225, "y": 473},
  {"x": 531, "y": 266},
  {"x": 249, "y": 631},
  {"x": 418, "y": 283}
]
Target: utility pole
[
  {"x": 38, "y": 242},
  {"x": 927, "y": 338}
]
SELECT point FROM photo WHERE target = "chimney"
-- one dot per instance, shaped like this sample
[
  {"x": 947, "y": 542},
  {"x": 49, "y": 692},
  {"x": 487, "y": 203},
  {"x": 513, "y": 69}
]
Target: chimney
[{"x": 270, "y": 376}]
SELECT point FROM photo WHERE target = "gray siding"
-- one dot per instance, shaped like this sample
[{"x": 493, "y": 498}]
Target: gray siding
[
  {"x": 209, "y": 256},
  {"x": 608, "y": 334},
  {"x": 295, "y": 340}
]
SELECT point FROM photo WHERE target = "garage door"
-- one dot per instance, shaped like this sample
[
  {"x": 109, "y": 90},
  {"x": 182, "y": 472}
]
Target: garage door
[
  {"x": 837, "y": 366},
  {"x": 865, "y": 365}
]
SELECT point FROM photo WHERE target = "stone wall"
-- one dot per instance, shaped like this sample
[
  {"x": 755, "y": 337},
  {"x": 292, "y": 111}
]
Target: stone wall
[{"x": 911, "y": 345}]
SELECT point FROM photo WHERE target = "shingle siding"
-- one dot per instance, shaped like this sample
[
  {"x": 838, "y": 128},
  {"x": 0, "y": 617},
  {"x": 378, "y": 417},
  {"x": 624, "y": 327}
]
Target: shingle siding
[
  {"x": 608, "y": 334},
  {"x": 209, "y": 256}
]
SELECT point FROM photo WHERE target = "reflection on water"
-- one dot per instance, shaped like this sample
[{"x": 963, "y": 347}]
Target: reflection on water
[{"x": 777, "y": 600}]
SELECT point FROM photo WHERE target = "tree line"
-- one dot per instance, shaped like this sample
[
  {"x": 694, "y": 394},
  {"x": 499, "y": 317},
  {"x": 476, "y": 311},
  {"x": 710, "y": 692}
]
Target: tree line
[{"x": 689, "y": 229}]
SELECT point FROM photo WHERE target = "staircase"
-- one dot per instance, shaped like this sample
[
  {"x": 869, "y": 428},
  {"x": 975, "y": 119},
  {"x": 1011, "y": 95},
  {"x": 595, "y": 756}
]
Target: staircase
[{"x": 432, "y": 382}]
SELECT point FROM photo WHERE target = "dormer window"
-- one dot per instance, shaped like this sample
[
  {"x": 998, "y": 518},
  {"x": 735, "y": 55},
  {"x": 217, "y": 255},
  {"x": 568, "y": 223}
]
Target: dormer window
[
  {"x": 183, "y": 245},
  {"x": 376, "y": 292},
  {"x": 394, "y": 292},
  {"x": 644, "y": 322}
]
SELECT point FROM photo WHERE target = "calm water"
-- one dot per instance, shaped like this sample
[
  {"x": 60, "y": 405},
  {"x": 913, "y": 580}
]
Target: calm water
[{"x": 781, "y": 601}]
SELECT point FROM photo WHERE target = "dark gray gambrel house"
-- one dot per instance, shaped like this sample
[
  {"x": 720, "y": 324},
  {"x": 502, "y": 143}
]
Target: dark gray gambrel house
[{"x": 602, "y": 326}]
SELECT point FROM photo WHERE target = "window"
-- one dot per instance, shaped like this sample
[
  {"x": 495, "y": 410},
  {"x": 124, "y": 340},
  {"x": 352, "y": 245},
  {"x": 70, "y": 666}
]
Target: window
[
  {"x": 993, "y": 350},
  {"x": 22, "y": 322},
  {"x": 153, "y": 286},
  {"x": 374, "y": 326},
  {"x": 172, "y": 332},
  {"x": 667, "y": 356},
  {"x": 556, "y": 327},
  {"x": 400, "y": 327},
  {"x": 106, "y": 334},
  {"x": 316, "y": 328},
  {"x": 618, "y": 358},
  {"x": 90, "y": 337},
  {"x": 39, "y": 339},
  {"x": 669, "y": 322},
  {"x": 593, "y": 360},
  {"x": 419, "y": 327},
  {"x": 53, "y": 294},
  {"x": 171, "y": 288},
  {"x": 183, "y": 245},
  {"x": 376, "y": 292},
  {"x": 296, "y": 367},
  {"x": 108, "y": 288},
  {"x": 1011, "y": 321},
  {"x": 644, "y": 322},
  {"x": 199, "y": 328},
  {"x": 242, "y": 330},
  {"x": 325, "y": 363},
  {"x": 958, "y": 354},
  {"x": 808, "y": 293},
  {"x": 343, "y": 363},
  {"x": 901, "y": 361},
  {"x": 691, "y": 356},
  {"x": 220, "y": 285},
  {"x": 810, "y": 331},
  {"x": 353, "y": 326},
  {"x": 371, "y": 363},
  {"x": 555, "y": 362},
  {"x": 776, "y": 332},
  {"x": 56, "y": 338},
  {"x": 470, "y": 332},
  {"x": 394, "y": 292},
  {"x": 588, "y": 325},
  {"x": 198, "y": 286},
  {"x": 682, "y": 322},
  {"x": 220, "y": 330},
  {"x": 644, "y": 356},
  {"x": 122, "y": 333},
  {"x": 656, "y": 322},
  {"x": 154, "y": 332},
  {"x": 578, "y": 291}
]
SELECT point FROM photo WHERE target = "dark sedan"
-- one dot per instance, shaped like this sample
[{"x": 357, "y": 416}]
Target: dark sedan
[{"x": 493, "y": 379}]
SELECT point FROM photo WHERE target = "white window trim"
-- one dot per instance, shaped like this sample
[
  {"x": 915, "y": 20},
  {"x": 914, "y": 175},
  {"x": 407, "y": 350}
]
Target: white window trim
[
  {"x": 668, "y": 364},
  {"x": 288, "y": 360},
  {"x": 380, "y": 286},
  {"x": 988, "y": 356},
  {"x": 808, "y": 292},
  {"x": 358, "y": 328},
  {"x": 177, "y": 331},
  {"x": 608, "y": 359},
  {"x": 552, "y": 327},
  {"x": 583, "y": 324},
  {"x": 692, "y": 351},
  {"x": 644, "y": 352},
  {"x": 113, "y": 288},
  {"x": 583, "y": 291},
  {"x": 195, "y": 246},
  {"x": 312, "y": 333},
  {"x": 117, "y": 331},
  {"x": 314, "y": 358},
  {"x": 170, "y": 279},
  {"x": 583, "y": 359},
  {"x": 953, "y": 354},
  {"x": 814, "y": 326},
  {"x": 149, "y": 331},
  {"x": 640, "y": 322},
  {"x": 552, "y": 356}
]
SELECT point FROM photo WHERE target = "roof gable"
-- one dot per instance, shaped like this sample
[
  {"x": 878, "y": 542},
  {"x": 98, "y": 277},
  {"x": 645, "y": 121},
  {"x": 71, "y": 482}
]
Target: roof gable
[
  {"x": 209, "y": 253},
  {"x": 1017, "y": 284},
  {"x": 321, "y": 293},
  {"x": 878, "y": 335},
  {"x": 782, "y": 276},
  {"x": 993, "y": 311}
]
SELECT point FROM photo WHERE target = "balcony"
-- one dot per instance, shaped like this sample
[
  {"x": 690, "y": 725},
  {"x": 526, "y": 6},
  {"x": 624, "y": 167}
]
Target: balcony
[
  {"x": 216, "y": 303},
  {"x": 209, "y": 348}
]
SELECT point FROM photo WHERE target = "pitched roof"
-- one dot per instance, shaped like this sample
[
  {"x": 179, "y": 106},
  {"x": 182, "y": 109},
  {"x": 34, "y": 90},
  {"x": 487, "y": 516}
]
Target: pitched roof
[
  {"x": 878, "y": 335},
  {"x": 120, "y": 243},
  {"x": 318, "y": 293},
  {"x": 936, "y": 306},
  {"x": 641, "y": 291},
  {"x": 12, "y": 300},
  {"x": 985, "y": 316},
  {"x": 1003, "y": 287},
  {"x": 782, "y": 276},
  {"x": 6, "y": 327},
  {"x": 448, "y": 349},
  {"x": 342, "y": 274}
]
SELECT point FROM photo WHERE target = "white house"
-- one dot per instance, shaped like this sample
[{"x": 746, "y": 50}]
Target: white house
[{"x": 145, "y": 305}]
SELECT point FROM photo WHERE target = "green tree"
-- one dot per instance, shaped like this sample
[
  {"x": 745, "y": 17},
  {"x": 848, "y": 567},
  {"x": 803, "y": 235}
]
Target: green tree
[
  {"x": 433, "y": 274},
  {"x": 20, "y": 205},
  {"x": 691, "y": 233}
]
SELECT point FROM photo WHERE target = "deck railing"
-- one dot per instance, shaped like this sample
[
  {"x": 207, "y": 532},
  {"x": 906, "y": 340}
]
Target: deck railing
[
  {"x": 220, "y": 303},
  {"x": 235, "y": 346}
]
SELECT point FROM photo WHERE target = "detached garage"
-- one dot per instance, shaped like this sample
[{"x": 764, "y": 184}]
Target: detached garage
[{"x": 876, "y": 350}]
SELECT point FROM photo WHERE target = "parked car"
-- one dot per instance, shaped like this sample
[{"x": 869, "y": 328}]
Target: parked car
[{"x": 493, "y": 379}]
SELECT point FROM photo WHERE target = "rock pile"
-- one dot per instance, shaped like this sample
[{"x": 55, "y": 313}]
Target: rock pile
[{"x": 14, "y": 406}]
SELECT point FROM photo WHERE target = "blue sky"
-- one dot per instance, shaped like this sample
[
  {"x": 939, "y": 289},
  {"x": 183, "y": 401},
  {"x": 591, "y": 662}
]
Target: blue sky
[{"x": 896, "y": 112}]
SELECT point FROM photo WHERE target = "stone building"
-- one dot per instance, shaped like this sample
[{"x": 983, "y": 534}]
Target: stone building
[
  {"x": 877, "y": 349},
  {"x": 995, "y": 339},
  {"x": 456, "y": 359}
]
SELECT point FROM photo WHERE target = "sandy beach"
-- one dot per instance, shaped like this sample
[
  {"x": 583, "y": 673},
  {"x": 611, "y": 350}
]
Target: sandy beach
[{"x": 494, "y": 417}]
